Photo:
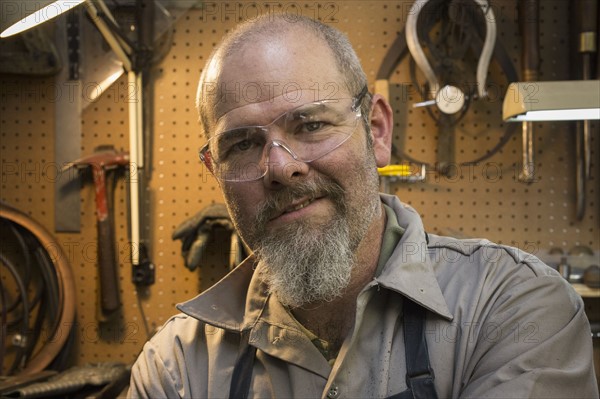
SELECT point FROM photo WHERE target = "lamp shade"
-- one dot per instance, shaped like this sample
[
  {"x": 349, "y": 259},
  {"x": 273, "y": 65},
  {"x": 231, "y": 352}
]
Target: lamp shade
[
  {"x": 552, "y": 101},
  {"x": 20, "y": 15}
]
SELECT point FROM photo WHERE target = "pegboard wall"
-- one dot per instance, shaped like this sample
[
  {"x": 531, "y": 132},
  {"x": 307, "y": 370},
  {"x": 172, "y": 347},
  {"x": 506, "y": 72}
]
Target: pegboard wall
[{"x": 481, "y": 200}]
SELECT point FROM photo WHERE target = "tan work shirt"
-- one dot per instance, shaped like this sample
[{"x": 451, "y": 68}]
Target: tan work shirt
[{"x": 502, "y": 324}]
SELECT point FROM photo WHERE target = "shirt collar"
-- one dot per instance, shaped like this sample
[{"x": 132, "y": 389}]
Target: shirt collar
[
  {"x": 391, "y": 236},
  {"x": 408, "y": 269},
  {"x": 226, "y": 305},
  {"x": 234, "y": 303}
]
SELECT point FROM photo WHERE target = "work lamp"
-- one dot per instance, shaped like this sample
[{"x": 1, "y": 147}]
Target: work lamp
[{"x": 552, "y": 101}]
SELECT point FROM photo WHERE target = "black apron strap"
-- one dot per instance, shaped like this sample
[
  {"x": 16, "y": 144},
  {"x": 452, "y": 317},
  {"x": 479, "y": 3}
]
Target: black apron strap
[
  {"x": 419, "y": 374},
  {"x": 242, "y": 372}
]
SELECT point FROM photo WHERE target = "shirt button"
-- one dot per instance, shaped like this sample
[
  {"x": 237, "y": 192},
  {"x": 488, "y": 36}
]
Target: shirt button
[{"x": 334, "y": 392}]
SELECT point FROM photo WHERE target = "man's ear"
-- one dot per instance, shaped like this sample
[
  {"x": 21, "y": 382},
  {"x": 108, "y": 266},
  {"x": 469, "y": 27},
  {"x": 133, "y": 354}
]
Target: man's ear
[{"x": 382, "y": 123}]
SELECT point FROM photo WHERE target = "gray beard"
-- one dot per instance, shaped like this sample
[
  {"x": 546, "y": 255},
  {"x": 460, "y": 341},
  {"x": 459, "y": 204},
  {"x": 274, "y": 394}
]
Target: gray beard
[
  {"x": 304, "y": 264},
  {"x": 310, "y": 261}
]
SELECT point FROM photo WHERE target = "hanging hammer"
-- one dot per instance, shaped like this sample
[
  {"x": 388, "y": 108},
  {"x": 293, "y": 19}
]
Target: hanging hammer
[{"x": 104, "y": 158}]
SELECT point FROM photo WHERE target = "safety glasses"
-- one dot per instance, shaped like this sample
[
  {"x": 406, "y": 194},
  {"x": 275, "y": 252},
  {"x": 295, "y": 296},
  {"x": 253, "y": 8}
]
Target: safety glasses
[{"x": 307, "y": 133}]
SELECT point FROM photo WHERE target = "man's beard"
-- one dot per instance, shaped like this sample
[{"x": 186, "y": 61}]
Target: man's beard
[
  {"x": 302, "y": 264},
  {"x": 310, "y": 261}
]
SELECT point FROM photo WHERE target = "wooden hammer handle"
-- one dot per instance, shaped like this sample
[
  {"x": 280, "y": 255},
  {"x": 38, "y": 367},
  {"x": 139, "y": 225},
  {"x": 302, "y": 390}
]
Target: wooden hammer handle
[{"x": 109, "y": 280}]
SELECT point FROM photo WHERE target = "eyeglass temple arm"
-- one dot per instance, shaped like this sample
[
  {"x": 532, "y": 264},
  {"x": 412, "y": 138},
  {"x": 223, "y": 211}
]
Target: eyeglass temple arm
[{"x": 358, "y": 99}]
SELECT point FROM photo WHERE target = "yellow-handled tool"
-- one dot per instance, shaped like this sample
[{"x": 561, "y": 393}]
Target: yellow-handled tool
[{"x": 405, "y": 173}]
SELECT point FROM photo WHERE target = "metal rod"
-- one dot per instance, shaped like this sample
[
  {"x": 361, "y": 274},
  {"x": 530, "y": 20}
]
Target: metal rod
[
  {"x": 527, "y": 174},
  {"x": 587, "y": 24},
  {"x": 136, "y": 154},
  {"x": 529, "y": 25},
  {"x": 121, "y": 49}
]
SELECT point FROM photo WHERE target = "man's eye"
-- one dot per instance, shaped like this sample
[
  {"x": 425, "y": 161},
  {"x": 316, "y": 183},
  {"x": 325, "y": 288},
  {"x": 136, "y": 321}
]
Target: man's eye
[
  {"x": 243, "y": 145},
  {"x": 313, "y": 126}
]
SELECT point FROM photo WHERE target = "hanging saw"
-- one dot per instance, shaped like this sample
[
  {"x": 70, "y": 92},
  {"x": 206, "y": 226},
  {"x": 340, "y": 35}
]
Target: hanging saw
[{"x": 459, "y": 32}]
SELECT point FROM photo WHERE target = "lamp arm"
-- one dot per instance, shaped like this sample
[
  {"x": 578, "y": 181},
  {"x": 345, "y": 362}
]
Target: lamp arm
[{"x": 105, "y": 22}]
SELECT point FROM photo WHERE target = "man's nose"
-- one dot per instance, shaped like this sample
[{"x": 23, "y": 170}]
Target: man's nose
[{"x": 283, "y": 166}]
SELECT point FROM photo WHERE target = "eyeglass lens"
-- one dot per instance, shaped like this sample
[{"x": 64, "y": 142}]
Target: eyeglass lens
[{"x": 309, "y": 131}]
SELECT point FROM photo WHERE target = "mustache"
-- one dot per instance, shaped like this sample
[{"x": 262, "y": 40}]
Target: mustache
[{"x": 317, "y": 187}]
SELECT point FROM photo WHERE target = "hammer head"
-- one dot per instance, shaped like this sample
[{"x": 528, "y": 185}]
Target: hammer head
[{"x": 103, "y": 158}]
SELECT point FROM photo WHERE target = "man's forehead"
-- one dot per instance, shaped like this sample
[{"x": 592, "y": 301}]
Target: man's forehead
[
  {"x": 264, "y": 70},
  {"x": 227, "y": 96}
]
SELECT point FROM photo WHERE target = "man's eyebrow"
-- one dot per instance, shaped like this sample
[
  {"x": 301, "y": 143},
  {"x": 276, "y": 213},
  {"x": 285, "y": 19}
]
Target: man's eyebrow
[
  {"x": 234, "y": 132},
  {"x": 310, "y": 108}
]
